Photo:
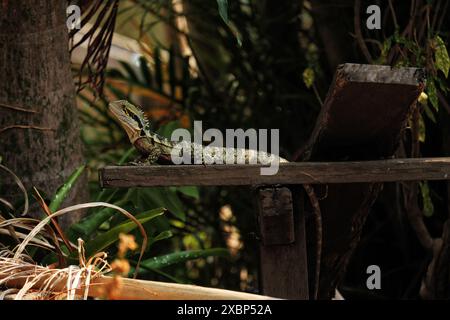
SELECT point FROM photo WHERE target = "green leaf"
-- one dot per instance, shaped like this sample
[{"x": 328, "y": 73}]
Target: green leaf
[
  {"x": 223, "y": 12},
  {"x": 161, "y": 236},
  {"x": 387, "y": 45},
  {"x": 126, "y": 155},
  {"x": 167, "y": 129},
  {"x": 162, "y": 197},
  {"x": 429, "y": 113},
  {"x": 188, "y": 191},
  {"x": 432, "y": 94},
  {"x": 64, "y": 190},
  {"x": 422, "y": 129},
  {"x": 308, "y": 77},
  {"x": 89, "y": 224},
  {"x": 223, "y": 9},
  {"x": 108, "y": 238},
  {"x": 441, "y": 58},
  {"x": 428, "y": 207},
  {"x": 183, "y": 256}
]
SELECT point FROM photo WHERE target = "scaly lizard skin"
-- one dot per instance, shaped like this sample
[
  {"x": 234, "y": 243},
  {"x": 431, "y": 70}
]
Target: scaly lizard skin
[{"x": 157, "y": 149}]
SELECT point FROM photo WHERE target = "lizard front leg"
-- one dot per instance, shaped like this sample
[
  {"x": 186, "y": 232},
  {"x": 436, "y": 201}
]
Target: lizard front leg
[
  {"x": 153, "y": 155},
  {"x": 150, "y": 158}
]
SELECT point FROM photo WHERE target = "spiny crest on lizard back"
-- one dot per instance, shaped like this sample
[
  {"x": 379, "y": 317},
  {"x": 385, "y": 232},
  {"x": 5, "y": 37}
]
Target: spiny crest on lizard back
[{"x": 131, "y": 118}]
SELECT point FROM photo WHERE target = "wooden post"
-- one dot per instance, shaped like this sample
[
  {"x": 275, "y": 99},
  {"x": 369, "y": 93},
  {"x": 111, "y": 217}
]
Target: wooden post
[{"x": 283, "y": 258}]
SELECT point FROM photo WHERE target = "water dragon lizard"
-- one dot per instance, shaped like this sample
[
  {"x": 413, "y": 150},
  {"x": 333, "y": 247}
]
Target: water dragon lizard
[{"x": 157, "y": 149}]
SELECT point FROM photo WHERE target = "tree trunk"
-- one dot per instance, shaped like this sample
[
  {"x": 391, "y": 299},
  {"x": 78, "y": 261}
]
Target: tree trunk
[{"x": 36, "y": 76}]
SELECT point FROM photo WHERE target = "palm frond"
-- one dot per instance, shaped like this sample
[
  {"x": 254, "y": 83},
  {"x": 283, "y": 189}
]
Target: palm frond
[{"x": 99, "y": 38}]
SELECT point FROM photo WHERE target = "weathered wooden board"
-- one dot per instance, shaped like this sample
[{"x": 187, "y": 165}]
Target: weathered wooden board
[
  {"x": 365, "y": 109},
  {"x": 283, "y": 254},
  {"x": 289, "y": 173},
  {"x": 362, "y": 118}
]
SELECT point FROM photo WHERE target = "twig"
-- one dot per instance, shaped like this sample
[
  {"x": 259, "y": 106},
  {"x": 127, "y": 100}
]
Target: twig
[
  {"x": 358, "y": 32},
  {"x": 7, "y": 106},
  {"x": 318, "y": 221},
  {"x": 20, "y": 126},
  {"x": 394, "y": 16}
]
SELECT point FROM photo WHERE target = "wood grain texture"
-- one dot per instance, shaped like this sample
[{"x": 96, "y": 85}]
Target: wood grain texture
[
  {"x": 276, "y": 218},
  {"x": 362, "y": 119},
  {"x": 289, "y": 173},
  {"x": 284, "y": 267},
  {"x": 132, "y": 289}
]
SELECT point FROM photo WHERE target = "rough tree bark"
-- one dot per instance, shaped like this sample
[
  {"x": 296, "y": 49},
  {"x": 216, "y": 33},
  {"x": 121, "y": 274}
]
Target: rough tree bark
[{"x": 36, "y": 76}]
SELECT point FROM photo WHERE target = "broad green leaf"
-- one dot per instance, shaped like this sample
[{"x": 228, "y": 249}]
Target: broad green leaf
[
  {"x": 428, "y": 207},
  {"x": 183, "y": 256},
  {"x": 166, "y": 130},
  {"x": 387, "y": 45},
  {"x": 432, "y": 94},
  {"x": 308, "y": 77},
  {"x": 143, "y": 270},
  {"x": 108, "y": 238},
  {"x": 162, "y": 236},
  {"x": 223, "y": 12},
  {"x": 126, "y": 155},
  {"x": 161, "y": 197},
  {"x": 64, "y": 190},
  {"x": 429, "y": 113},
  {"x": 422, "y": 130},
  {"x": 89, "y": 224},
  {"x": 441, "y": 58},
  {"x": 223, "y": 9},
  {"x": 188, "y": 191}
]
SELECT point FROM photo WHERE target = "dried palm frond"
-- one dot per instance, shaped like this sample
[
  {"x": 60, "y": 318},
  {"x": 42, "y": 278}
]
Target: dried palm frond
[
  {"x": 18, "y": 270},
  {"x": 99, "y": 38},
  {"x": 39, "y": 282}
]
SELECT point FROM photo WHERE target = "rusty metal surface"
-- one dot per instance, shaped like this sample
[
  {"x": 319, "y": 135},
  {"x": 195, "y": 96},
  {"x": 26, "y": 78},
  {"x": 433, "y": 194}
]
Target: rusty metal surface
[{"x": 362, "y": 119}]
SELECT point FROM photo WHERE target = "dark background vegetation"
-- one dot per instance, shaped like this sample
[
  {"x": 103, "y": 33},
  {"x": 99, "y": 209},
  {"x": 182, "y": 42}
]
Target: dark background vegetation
[{"x": 258, "y": 64}]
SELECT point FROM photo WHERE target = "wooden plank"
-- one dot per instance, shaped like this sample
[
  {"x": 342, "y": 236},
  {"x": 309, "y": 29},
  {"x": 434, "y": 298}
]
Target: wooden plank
[
  {"x": 133, "y": 289},
  {"x": 276, "y": 219},
  {"x": 289, "y": 173},
  {"x": 364, "y": 112},
  {"x": 362, "y": 119},
  {"x": 284, "y": 267}
]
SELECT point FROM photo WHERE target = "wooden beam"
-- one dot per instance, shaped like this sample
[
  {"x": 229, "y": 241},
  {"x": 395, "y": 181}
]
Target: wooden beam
[
  {"x": 283, "y": 255},
  {"x": 289, "y": 173},
  {"x": 133, "y": 289},
  {"x": 276, "y": 217}
]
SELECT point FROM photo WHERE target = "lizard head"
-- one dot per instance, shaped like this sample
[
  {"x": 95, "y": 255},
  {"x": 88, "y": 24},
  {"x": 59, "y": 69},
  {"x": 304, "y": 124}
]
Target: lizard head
[{"x": 130, "y": 118}]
